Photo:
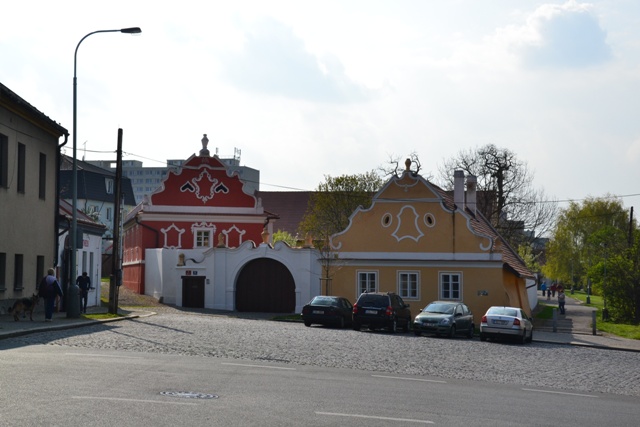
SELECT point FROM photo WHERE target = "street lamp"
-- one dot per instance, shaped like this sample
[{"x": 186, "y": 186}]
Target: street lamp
[{"x": 73, "y": 303}]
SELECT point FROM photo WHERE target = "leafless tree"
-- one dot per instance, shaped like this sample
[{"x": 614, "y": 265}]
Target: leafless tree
[{"x": 506, "y": 194}]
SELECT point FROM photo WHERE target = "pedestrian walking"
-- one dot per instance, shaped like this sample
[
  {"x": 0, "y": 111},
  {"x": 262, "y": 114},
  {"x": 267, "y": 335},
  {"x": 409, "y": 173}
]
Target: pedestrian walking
[
  {"x": 544, "y": 288},
  {"x": 561, "y": 298},
  {"x": 84, "y": 283},
  {"x": 554, "y": 288},
  {"x": 48, "y": 290}
]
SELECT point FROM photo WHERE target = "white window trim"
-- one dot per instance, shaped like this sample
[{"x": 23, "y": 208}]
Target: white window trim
[
  {"x": 375, "y": 275},
  {"x": 418, "y": 286},
  {"x": 203, "y": 227},
  {"x": 440, "y": 290}
]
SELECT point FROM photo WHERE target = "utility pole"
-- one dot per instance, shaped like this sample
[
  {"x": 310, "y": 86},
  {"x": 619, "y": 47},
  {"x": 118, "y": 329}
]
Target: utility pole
[
  {"x": 631, "y": 227},
  {"x": 116, "y": 272}
]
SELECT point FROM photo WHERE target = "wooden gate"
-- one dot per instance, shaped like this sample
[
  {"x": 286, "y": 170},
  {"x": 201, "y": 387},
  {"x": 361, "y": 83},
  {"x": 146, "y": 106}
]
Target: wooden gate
[
  {"x": 193, "y": 291},
  {"x": 265, "y": 286}
]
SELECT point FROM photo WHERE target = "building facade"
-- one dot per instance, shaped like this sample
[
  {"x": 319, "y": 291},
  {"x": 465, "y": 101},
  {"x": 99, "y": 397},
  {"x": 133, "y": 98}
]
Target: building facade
[
  {"x": 146, "y": 180},
  {"x": 421, "y": 243},
  {"x": 202, "y": 204},
  {"x": 29, "y": 155}
]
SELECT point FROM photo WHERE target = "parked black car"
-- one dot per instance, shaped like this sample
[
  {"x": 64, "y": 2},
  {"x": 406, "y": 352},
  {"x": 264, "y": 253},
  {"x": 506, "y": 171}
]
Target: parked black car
[
  {"x": 377, "y": 310},
  {"x": 327, "y": 310},
  {"x": 445, "y": 318}
]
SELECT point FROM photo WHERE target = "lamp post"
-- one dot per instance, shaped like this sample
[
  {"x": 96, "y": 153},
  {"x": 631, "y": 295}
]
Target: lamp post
[{"x": 73, "y": 303}]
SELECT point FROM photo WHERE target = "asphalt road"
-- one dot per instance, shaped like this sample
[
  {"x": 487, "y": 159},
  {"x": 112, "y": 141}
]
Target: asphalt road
[{"x": 175, "y": 368}]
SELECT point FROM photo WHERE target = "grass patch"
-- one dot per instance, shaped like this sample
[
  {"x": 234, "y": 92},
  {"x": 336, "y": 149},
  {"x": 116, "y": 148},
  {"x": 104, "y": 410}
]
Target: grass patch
[
  {"x": 102, "y": 316},
  {"x": 546, "y": 312},
  {"x": 623, "y": 330},
  {"x": 289, "y": 317}
]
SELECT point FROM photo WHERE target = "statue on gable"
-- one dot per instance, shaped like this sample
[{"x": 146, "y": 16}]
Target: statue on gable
[{"x": 205, "y": 141}]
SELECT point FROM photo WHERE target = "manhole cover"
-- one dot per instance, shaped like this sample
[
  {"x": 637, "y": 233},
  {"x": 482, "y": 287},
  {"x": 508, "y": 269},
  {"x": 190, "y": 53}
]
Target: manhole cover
[{"x": 189, "y": 394}]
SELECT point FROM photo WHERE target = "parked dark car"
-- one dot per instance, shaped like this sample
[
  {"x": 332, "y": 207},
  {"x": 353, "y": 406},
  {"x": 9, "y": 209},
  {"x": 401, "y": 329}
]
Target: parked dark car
[
  {"x": 445, "y": 318},
  {"x": 377, "y": 310},
  {"x": 506, "y": 322},
  {"x": 328, "y": 311}
]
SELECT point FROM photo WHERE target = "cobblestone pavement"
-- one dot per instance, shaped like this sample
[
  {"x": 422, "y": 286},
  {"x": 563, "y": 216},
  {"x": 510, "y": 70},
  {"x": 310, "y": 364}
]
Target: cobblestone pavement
[{"x": 209, "y": 335}]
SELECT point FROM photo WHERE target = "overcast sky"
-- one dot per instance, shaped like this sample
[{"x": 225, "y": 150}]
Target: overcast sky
[{"x": 312, "y": 88}]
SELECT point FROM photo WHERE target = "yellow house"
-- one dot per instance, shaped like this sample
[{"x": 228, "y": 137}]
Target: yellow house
[{"x": 421, "y": 243}]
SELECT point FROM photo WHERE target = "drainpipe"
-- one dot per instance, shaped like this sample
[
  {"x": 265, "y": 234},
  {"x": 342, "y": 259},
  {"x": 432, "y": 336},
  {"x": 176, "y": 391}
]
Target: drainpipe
[{"x": 56, "y": 252}]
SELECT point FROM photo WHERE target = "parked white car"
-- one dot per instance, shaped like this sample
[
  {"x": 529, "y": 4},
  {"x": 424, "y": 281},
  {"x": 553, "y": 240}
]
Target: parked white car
[{"x": 506, "y": 322}]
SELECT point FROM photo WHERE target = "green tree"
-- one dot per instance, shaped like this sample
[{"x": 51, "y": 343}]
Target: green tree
[
  {"x": 590, "y": 246},
  {"x": 333, "y": 202},
  {"x": 330, "y": 207},
  {"x": 284, "y": 236}
]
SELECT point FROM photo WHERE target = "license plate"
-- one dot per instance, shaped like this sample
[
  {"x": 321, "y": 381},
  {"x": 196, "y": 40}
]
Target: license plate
[
  {"x": 499, "y": 322},
  {"x": 371, "y": 311},
  {"x": 318, "y": 312}
]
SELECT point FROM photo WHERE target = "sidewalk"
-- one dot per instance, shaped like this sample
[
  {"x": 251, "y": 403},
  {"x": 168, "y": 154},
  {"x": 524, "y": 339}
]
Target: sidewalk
[
  {"x": 9, "y": 328},
  {"x": 575, "y": 327}
]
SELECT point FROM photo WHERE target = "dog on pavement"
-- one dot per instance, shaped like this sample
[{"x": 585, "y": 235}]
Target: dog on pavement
[{"x": 24, "y": 305}]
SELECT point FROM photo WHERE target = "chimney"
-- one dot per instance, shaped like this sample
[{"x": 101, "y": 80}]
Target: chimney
[
  {"x": 458, "y": 189},
  {"x": 472, "y": 183}
]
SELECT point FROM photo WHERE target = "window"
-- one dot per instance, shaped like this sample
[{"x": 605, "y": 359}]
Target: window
[
  {"x": 42, "y": 179},
  {"x": 17, "y": 271},
  {"x": 367, "y": 281},
  {"x": 203, "y": 239},
  {"x": 408, "y": 284},
  {"x": 22, "y": 158},
  {"x": 108, "y": 182},
  {"x": 108, "y": 214},
  {"x": 451, "y": 286},
  {"x": 3, "y": 271},
  {"x": 39, "y": 269},
  {"x": 4, "y": 161}
]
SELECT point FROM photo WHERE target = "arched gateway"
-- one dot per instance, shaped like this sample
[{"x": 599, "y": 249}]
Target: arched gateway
[{"x": 265, "y": 285}]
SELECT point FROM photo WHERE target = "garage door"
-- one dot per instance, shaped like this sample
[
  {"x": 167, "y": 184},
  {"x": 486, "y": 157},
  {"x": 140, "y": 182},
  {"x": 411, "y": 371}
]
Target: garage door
[{"x": 265, "y": 286}]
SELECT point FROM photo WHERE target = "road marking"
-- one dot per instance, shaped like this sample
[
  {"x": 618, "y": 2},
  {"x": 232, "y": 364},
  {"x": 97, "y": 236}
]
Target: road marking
[
  {"x": 409, "y": 379},
  {"x": 259, "y": 366},
  {"x": 560, "y": 392},
  {"x": 103, "y": 355},
  {"x": 120, "y": 399},
  {"x": 407, "y": 420}
]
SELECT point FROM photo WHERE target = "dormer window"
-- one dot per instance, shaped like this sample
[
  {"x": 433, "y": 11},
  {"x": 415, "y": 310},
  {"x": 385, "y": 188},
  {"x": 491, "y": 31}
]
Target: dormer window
[{"x": 109, "y": 185}]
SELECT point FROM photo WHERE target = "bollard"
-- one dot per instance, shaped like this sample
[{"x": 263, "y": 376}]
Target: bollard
[
  {"x": 555, "y": 320},
  {"x": 593, "y": 322},
  {"x": 73, "y": 301}
]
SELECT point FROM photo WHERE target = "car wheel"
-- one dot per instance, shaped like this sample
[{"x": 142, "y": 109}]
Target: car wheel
[
  {"x": 355, "y": 326},
  {"x": 407, "y": 326},
  {"x": 472, "y": 330},
  {"x": 307, "y": 324},
  {"x": 530, "y": 336},
  {"x": 341, "y": 323},
  {"x": 393, "y": 327},
  {"x": 483, "y": 337},
  {"x": 452, "y": 331},
  {"x": 523, "y": 338},
  {"x": 418, "y": 333}
]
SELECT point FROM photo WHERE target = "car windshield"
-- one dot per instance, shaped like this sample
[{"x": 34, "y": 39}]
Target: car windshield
[
  {"x": 439, "y": 308},
  {"x": 373, "y": 301},
  {"x": 503, "y": 311},
  {"x": 323, "y": 301}
]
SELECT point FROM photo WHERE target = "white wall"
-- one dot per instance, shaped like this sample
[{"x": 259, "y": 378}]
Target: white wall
[
  {"x": 91, "y": 245},
  {"x": 221, "y": 268}
]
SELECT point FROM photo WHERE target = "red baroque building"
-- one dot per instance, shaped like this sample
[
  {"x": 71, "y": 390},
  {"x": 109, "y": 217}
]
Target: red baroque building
[{"x": 200, "y": 206}]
